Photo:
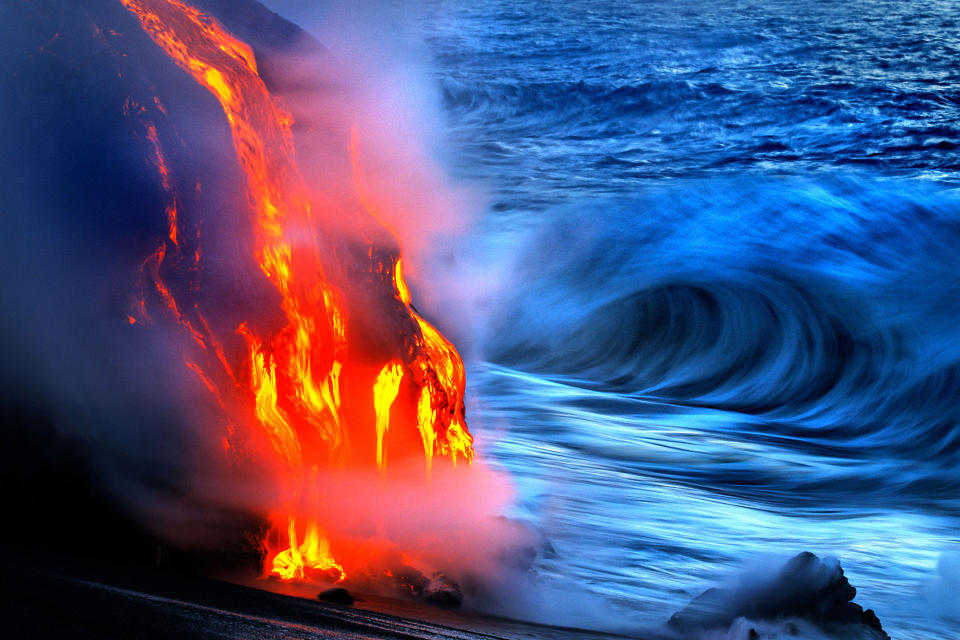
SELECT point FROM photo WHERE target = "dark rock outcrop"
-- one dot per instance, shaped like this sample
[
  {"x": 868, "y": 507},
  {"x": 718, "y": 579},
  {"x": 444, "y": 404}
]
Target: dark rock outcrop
[
  {"x": 438, "y": 590},
  {"x": 806, "y": 587},
  {"x": 410, "y": 581},
  {"x": 336, "y": 595},
  {"x": 443, "y": 592}
]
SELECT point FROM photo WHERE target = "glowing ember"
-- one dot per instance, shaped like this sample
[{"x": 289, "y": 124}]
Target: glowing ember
[
  {"x": 313, "y": 554},
  {"x": 294, "y": 382}
]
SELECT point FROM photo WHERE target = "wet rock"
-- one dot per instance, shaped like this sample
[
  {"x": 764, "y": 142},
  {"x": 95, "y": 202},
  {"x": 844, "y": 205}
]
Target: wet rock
[
  {"x": 410, "y": 581},
  {"x": 806, "y": 587},
  {"x": 336, "y": 595},
  {"x": 438, "y": 590},
  {"x": 443, "y": 592}
]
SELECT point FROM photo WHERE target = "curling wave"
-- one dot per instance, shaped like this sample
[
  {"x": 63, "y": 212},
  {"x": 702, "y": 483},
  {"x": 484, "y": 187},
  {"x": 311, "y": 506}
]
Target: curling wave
[{"x": 825, "y": 308}]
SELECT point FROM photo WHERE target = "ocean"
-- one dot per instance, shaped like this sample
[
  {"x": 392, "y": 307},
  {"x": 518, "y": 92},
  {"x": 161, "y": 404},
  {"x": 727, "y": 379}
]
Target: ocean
[{"x": 724, "y": 330}]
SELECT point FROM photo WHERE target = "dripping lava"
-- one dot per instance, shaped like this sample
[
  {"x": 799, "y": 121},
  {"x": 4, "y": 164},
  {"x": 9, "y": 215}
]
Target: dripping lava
[{"x": 351, "y": 381}]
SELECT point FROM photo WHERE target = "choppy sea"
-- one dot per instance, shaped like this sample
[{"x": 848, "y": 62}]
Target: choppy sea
[{"x": 728, "y": 328}]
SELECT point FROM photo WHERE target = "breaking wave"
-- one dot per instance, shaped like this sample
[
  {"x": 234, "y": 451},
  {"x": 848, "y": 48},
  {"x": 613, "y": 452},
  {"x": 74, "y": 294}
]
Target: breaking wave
[{"x": 825, "y": 308}]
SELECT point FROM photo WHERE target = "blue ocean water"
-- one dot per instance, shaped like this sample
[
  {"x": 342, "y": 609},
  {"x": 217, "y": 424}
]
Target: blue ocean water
[{"x": 729, "y": 325}]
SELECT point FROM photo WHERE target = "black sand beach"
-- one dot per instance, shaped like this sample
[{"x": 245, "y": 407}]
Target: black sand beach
[{"x": 51, "y": 596}]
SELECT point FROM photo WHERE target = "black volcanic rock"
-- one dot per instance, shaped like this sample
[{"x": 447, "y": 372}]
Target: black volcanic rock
[
  {"x": 410, "y": 581},
  {"x": 443, "y": 592},
  {"x": 336, "y": 595},
  {"x": 439, "y": 590},
  {"x": 85, "y": 205},
  {"x": 806, "y": 587}
]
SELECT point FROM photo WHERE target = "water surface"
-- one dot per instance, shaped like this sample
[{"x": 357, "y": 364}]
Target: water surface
[{"x": 730, "y": 324}]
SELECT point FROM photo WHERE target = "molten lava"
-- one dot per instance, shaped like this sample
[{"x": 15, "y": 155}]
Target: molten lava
[{"x": 328, "y": 391}]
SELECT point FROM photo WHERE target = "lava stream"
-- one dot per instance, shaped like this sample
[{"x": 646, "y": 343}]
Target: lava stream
[{"x": 300, "y": 383}]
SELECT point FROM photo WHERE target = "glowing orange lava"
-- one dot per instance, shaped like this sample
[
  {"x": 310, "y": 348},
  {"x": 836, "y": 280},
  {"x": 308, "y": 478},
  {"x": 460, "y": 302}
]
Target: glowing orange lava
[{"x": 300, "y": 383}]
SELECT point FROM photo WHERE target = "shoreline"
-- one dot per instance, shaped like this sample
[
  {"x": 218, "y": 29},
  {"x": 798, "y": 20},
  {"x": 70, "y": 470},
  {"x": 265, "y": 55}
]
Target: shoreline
[{"x": 52, "y": 596}]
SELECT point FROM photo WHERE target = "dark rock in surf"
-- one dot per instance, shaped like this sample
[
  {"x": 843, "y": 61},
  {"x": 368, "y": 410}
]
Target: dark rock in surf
[
  {"x": 443, "y": 592},
  {"x": 336, "y": 595},
  {"x": 806, "y": 587},
  {"x": 438, "y": 590},
  {"x": 410, "y": 581}
]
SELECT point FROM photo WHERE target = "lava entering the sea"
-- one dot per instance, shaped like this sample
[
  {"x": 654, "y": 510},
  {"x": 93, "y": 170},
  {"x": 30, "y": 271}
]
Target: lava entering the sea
[{"x": 352, "y": 379}]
